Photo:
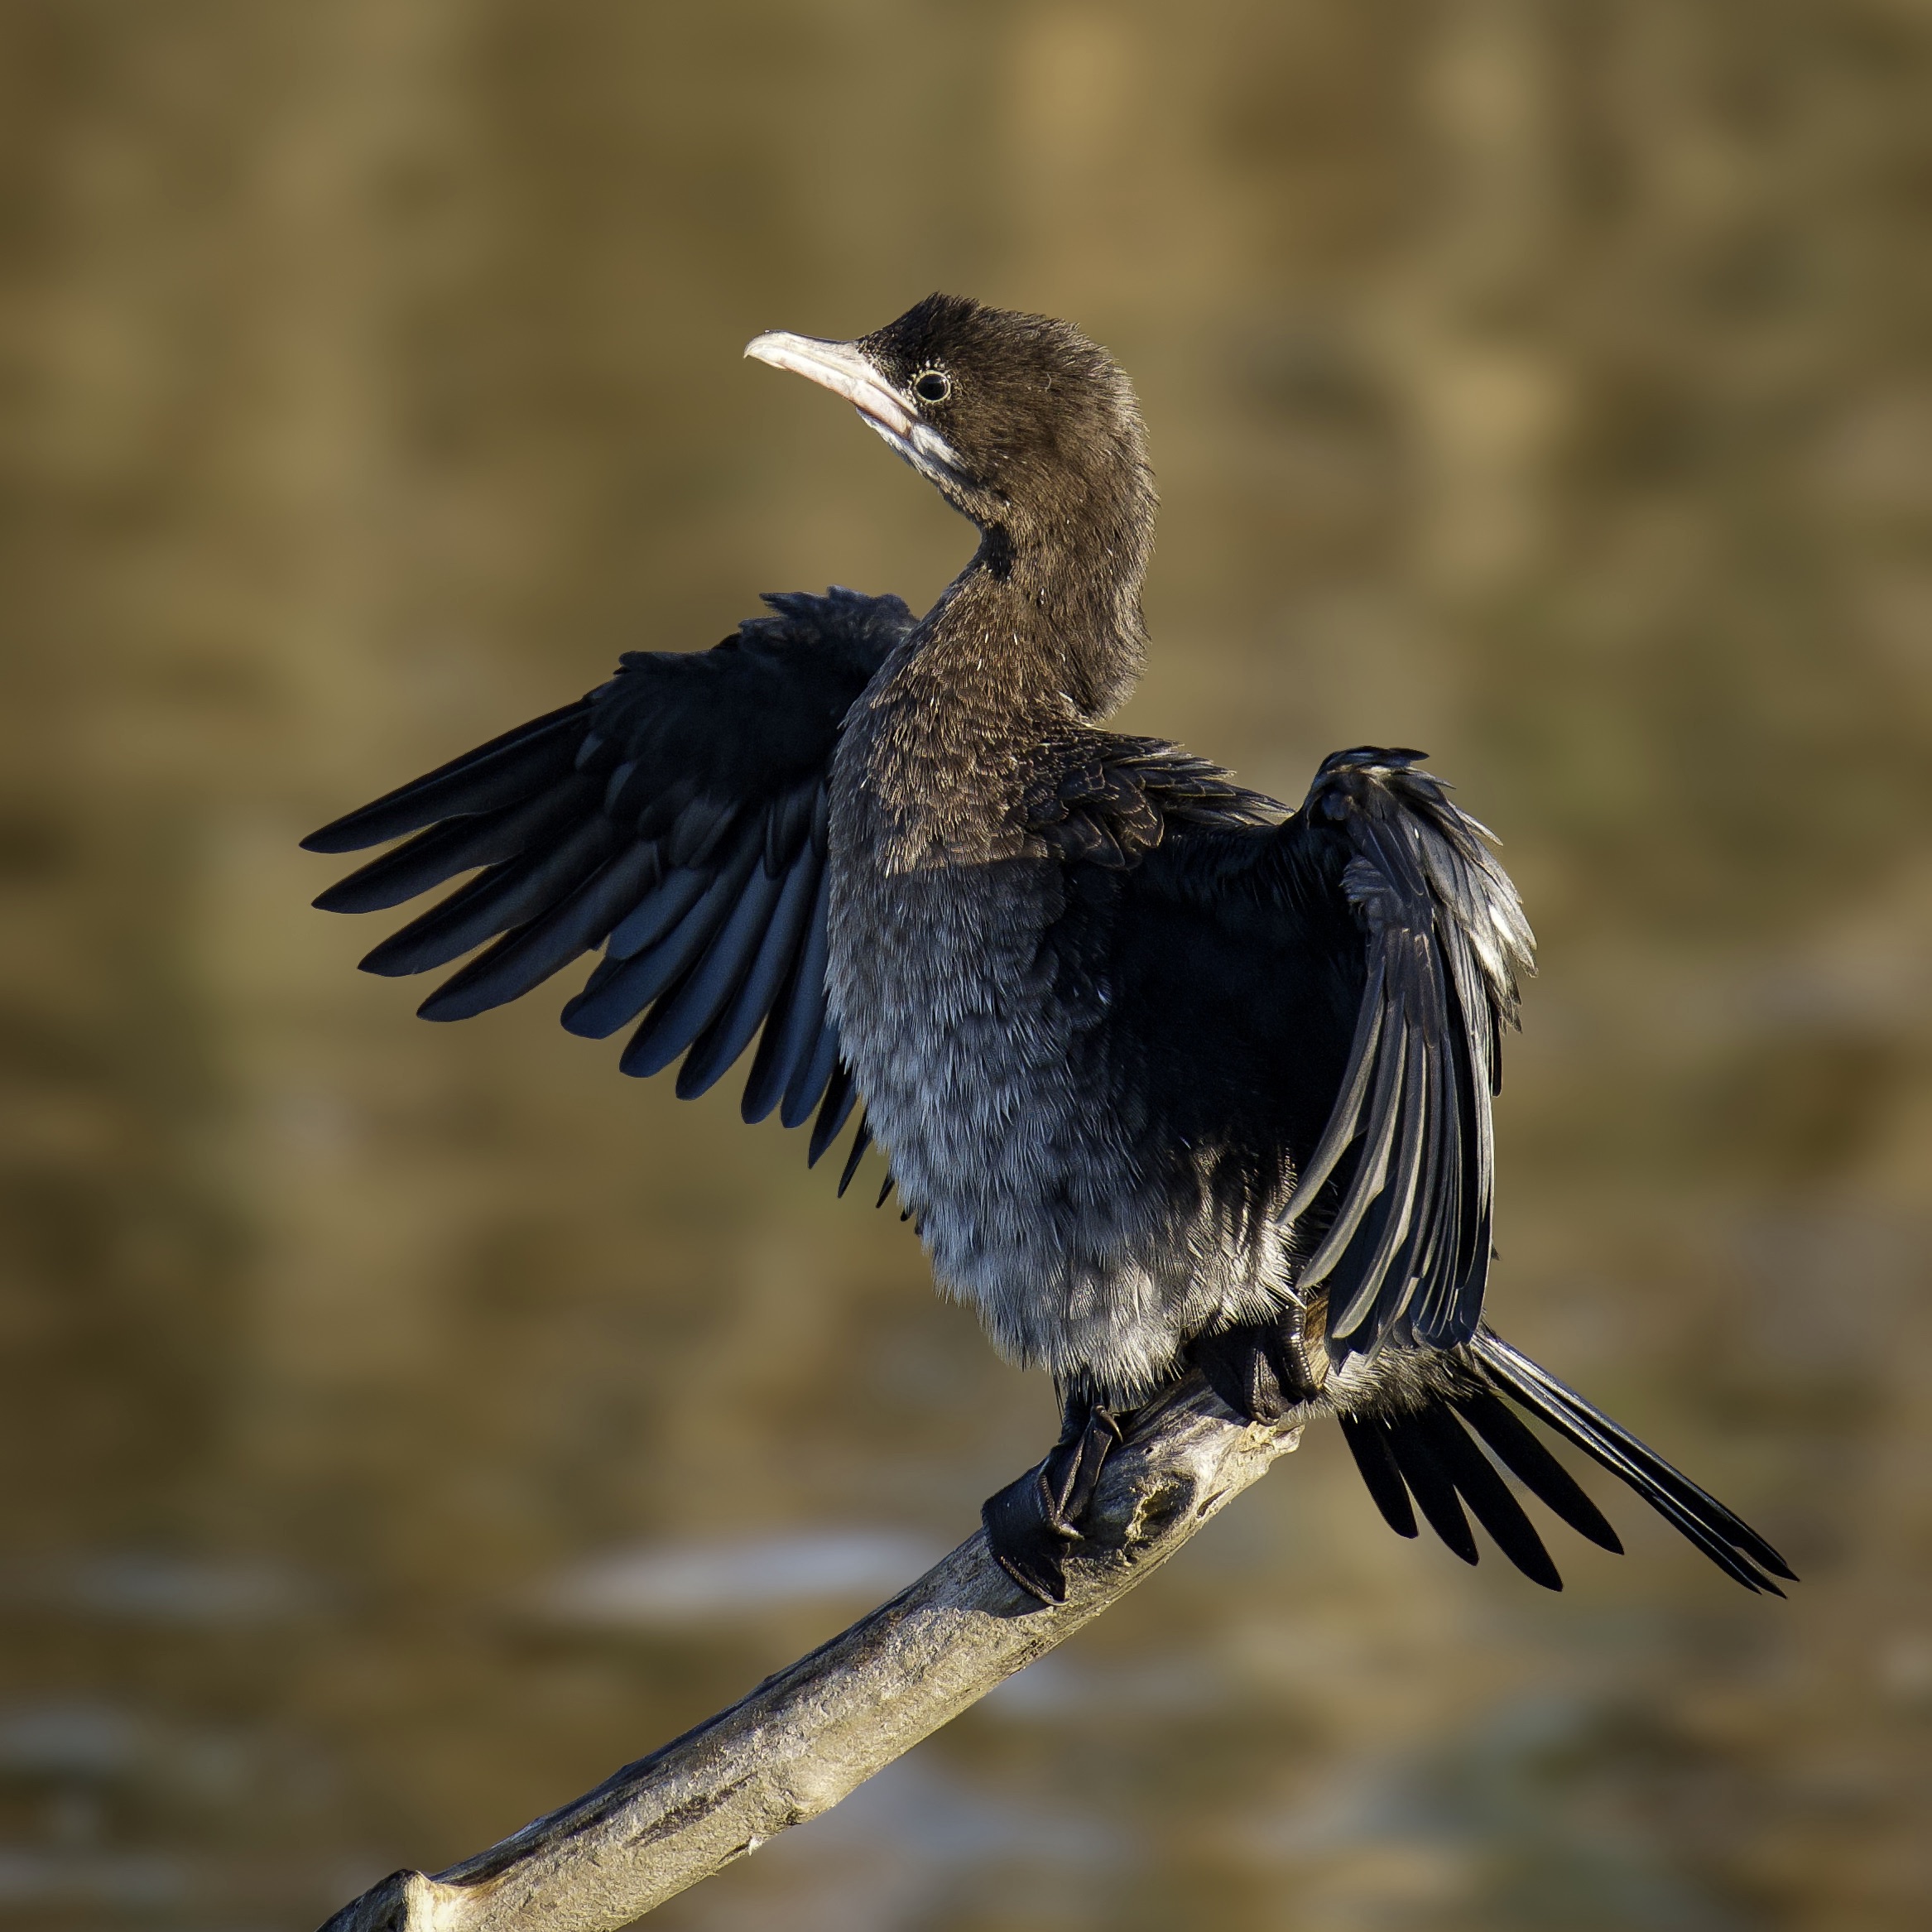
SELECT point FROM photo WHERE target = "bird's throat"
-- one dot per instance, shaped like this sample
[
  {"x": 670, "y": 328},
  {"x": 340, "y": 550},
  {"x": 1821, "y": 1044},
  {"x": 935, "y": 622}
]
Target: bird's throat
[
  {"x": 1055, "y": 617},
  {"x": 1016, "y": 655}
]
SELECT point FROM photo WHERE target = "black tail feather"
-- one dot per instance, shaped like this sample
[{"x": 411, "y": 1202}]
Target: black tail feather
[
  {"x": 1730, "y": 1543},
  {"x": 1369, "y": 1445},
  {"x": 1430, "y": 1484},
  {"x": 1429, "y": 1455},
  {"x": 1488, "y": 1496},
  {"x": 1526, "y": 1459}
]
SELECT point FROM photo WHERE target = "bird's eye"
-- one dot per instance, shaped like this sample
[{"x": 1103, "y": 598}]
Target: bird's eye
[{"x": 932, "y": 386}]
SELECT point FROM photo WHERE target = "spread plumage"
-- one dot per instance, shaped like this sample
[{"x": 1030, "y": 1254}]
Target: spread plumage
[{"x": 1171, "y": 1076}]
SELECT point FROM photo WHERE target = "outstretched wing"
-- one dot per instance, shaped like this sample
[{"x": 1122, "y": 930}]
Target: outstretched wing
[
  {"x": 1404, "y": 1174},
  {"x": 676, "y": 816}
]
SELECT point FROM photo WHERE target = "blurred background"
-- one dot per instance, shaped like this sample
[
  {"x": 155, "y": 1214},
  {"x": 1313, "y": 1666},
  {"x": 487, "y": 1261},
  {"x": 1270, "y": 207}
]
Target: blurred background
[{"x": 405, "y": 1425}]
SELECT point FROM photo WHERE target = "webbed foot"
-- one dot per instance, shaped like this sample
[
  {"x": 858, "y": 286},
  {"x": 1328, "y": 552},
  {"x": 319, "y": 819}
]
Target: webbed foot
[{"x": 1034, "y": 1523}]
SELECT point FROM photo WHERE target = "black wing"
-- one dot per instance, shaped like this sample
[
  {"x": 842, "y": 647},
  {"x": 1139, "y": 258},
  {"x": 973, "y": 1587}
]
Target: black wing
[
  {"x": 676, "y": 817},
  {"x": 1403, "y": 1177},
  {"x": 1324, "y": 988},
  {"x": 1330, "y": 986}
]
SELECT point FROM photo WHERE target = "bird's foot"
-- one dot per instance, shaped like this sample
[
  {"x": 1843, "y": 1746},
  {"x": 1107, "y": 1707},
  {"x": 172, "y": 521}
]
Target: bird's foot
[
  {"x": 1259, "y": 1370},
  {"x": 1032, "y": 1525}
]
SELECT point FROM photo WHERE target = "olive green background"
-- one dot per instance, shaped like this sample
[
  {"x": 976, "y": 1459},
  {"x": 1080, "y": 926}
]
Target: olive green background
[{"x": 1545, "y": 383}]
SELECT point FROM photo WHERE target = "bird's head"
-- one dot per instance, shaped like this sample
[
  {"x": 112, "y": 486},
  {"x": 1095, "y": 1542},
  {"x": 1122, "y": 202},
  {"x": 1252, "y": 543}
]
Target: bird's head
[{"x": 1022, "y": 425}]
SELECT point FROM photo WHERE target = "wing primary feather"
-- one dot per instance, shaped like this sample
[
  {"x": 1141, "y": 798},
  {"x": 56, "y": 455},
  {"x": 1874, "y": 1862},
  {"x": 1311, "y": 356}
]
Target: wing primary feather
[
  {"x": 1433, "y": 1258},
  {"x": 1406, "y": 1140},
  {"x": 444, "y": 911},
  {"x": 840, "y": 1093},
  {"x": 688, "y": 1008},
  {"x": 458, "y": 845},
  {"x": 621, "y": 989},
  {"x": 649, "y": 921},
  {"x": 1479, "y": 1063},
  {"x": 1512, "y": 1443},
  {"x": 1370, "y": 1171},
  {"x": 505, "y": 896},
  {"x": 802, "y": 1094},
  {"x": 798, "y": 1018},
  {"x": 1368, "y": 1443},
  {"x": 501, "y": 772},
  {"x": 1442, "y": 1313},
  {"x": 531, "y": 954},
  {"x": 730, "y": 1033},
  {"x": 416, "y": 864},
  {"x": 860, "y": 1141}
]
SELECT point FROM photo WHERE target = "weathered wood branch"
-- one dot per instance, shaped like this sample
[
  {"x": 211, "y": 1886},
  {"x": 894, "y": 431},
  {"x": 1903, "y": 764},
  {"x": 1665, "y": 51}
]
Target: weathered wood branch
[{"x": 808, "y": 1736}]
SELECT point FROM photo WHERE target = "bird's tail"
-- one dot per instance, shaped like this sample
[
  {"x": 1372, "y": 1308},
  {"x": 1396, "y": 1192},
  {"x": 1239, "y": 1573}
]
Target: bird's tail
[{"x": 1430, "y": 1456}]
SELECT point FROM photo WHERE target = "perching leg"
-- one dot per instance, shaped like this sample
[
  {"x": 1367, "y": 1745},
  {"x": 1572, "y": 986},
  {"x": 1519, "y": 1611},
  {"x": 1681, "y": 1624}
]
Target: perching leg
[{"x": 1032, "y": 1524}]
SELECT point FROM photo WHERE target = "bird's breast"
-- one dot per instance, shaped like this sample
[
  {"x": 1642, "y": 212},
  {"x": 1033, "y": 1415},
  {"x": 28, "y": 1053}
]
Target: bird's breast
[
  {"x": 998, "y": 1080},
  {"x": 970, "y": 1056}
]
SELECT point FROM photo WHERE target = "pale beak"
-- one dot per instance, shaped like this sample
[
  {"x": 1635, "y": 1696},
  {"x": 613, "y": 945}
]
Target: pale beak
[
  {"x": 846, "y": 370},
  {"x": 841, "y": 367}
]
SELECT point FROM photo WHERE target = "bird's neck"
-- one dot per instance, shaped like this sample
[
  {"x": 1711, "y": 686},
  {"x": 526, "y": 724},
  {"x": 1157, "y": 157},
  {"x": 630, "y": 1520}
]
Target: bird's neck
[
  {"x": 1044, "y": 622},
  {"x": 1029, "y": 643}
]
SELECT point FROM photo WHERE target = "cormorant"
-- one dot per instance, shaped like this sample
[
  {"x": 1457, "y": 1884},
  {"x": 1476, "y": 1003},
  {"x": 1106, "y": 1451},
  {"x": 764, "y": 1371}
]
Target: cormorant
[{"x": 1169, "y": 1076}]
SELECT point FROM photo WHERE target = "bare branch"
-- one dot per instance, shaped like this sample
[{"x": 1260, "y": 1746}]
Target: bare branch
[{"x": 808, "y": 1736}]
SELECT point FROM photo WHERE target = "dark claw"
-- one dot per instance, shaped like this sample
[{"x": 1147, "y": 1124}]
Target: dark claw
[{"x": 1032, "y": 1523}]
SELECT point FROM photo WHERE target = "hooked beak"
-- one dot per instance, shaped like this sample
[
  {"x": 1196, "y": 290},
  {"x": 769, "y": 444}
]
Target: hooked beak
[{"x": 846, "y": 370}]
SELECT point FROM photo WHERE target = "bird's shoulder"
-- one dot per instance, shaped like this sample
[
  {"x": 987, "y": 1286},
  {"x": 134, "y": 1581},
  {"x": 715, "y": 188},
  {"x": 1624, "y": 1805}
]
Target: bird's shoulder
[{"x": 1101, "y": 798}]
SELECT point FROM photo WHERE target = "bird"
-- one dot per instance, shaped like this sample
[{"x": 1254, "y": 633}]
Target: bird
[{"x": 1172, "y": 1079}]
